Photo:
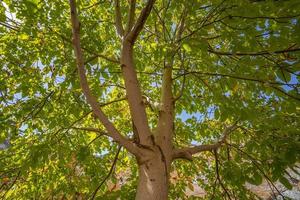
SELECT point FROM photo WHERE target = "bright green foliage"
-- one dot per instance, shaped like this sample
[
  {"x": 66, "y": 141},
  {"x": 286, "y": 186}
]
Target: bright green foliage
[{"x": 255, "y": 79}]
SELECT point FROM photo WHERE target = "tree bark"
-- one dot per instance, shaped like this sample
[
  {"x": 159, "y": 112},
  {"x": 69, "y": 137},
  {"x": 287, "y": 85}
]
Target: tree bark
[
  {"x": 153, "y": 183},
  {"x": 134, "y": 94}
]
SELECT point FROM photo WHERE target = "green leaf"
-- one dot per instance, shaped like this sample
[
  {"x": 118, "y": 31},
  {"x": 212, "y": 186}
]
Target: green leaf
[
  {"x": 256, "y": 179},
  {"x": 83, "y": 153},
  {"x": 285, "y": 182},
  {"x": 187, "y": 47},
  {"x": 198, "y": 65},
  {"x": 284, "y": 75}
]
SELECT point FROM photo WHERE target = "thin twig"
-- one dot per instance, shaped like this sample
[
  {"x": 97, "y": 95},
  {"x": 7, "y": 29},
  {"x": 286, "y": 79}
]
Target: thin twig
[
  {"x": 13, "y": 183},
  {"x": 218, "y": 174},
  {"x": 109, "y": 173},
  {"x": 257, "y": 166}
]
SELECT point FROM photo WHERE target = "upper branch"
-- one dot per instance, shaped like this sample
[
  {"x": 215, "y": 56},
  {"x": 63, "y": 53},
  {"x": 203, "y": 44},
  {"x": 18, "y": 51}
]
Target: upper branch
[
  {"x": 188, "y": 152},
  {"x": 182, "y": 89},
  {"x": 102, "y": 56},
  {"x": 134, "y": 94},
  {"x": 92, "y": 101},
  {"x": 277, "y": 19},
  {"x": 131, "y": 16},
  {"x": 119, "y": 26},
  {"x": 180, "y": 28},
  {"x": 166, "y": 113},
  {"x": 132, "y": 36}
]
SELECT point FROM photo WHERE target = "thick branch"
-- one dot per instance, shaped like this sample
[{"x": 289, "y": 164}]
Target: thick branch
[
  {"x": 132, "y": 36},
  {"x": 92, "y": 101},
  {"x": 188, "y": 152},
  {"x": 118, "y": 19},
  {"x": 134, "y": 94},
  {"x": 131, "y": 16},
  {"x": 165, "y": 126},
  {"x": 166, "y": 112}
]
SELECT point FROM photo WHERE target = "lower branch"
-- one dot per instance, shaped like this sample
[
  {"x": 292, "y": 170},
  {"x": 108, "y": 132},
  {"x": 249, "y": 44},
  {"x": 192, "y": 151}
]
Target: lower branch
[
  {"x": 109, "y": 173},
  {"x": 188, "y": 152}
]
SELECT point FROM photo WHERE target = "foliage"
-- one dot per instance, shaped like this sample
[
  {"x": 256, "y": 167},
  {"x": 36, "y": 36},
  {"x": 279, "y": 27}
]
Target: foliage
[{"x": 235, "y": 60}]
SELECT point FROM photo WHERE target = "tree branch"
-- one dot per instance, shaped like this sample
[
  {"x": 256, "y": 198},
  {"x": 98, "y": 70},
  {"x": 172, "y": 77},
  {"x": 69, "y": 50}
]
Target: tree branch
[
  {"x": 285, "y": 93},
  {"x": 203, "y": 23},
  {"x": 181, "y": 90},
  {"x": 94, "y": 55},
  {"x": 165, "y": 124},
  {"x": 134, "y": 94},
  {"x": 101, "y": 56},
  {"x": 188, "y": 152},
  {"x": 118, "y": 19},
  {"x": 37, "y": 108},
  {"x": 132, "y": 36},
  {"x": 96, "y": 130},
  {"x": 162, "y": 22},
  {"x": 266, "y": 83},
  {"x": 218, "y": 173},
  {"x": 131, "y": 16},
  {"x": 100, "y": 132},
  {"x": 180, "y": 28},
  {"x": 12, "y": 184},
  {"x": 93, "y": 5},
  {"x": 109, "y": 173},
  {"x": 235, "y": 77},
  {"x": 9, "y": 26},
  {"x": 92, "y": 101},
  {"x": 277, "y": 19},
  {"x": 257, "y": 165},
  {"x": 259, "y": 53}
]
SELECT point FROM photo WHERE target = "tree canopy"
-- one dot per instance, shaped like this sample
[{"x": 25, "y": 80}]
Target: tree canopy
[{"x": 87, "y": 87}]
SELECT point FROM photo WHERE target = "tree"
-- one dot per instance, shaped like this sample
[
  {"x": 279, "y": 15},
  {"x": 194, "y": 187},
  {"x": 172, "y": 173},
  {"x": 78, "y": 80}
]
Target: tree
[{"x": 206, "y": 90}]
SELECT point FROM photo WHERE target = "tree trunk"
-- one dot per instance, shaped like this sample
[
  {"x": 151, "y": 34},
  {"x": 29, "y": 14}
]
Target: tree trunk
[
  {"x": 154, "y": 167},
  {"x": 153, "y": 183}
]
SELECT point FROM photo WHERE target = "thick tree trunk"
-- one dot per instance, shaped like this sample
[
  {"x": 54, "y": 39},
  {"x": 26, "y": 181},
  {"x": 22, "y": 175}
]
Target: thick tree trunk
[
  {"x": 153, "y": 181},
  {"x": 155, "y": 162}
]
